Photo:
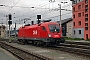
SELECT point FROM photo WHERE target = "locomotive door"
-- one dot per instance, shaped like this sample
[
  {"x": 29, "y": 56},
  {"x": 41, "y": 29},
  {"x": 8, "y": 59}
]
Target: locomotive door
[
  {"x": 42, "y": 32},
  {"x": 38, "y": 31}
]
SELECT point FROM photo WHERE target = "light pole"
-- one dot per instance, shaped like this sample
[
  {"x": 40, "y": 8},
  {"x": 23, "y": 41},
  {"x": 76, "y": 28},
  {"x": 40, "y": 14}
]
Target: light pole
[
  {"x": 6, "y": 25},
  {"x": 60, "y": 12},
  {"x": 15, "y": 30},
  {"x": 10, "y": 23}
]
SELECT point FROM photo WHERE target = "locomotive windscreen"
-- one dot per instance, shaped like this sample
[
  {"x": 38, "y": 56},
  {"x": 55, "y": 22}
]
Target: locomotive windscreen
[{"x": 54, "y": 28}]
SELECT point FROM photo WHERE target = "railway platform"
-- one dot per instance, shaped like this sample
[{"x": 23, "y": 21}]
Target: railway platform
[{"x": 5, "y": 55}]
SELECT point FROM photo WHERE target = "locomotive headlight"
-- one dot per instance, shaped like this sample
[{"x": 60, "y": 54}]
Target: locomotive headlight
[{"x": 49, "y": 35}]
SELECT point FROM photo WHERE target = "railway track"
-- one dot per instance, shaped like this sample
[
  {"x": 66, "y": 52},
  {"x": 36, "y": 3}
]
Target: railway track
[
  {"x": 81, "y": 48},
  {"x": 21, "y": 53}
]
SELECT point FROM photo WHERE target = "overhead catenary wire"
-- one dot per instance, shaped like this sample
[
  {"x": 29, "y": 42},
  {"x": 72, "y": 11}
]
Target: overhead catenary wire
[
  {"x": 13, "y": 6},
  {"x": 33, "y": 10},
  {"x": 58, "y": 15},
  {"x": 41, "y": 13},
  {"x": 48, "y": 12},
  {"x": 36, "y": 7}
]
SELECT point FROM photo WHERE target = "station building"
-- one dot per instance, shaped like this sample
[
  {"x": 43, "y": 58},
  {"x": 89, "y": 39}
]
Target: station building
[
  {"x": 81, "y": 18},
  {"x": 2, "y": 31},
  {"x": 67, "y": 27}
]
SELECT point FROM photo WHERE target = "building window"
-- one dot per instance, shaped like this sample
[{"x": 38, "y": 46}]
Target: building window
[
  {"x": 74, "y": 32},
  {"x": 74, "y": 23},
  {"x": 86, "y": 15},
  {"x": 74, "y": 9},
  {"x": 79, "y": 6},
  {"x": 73, "y": 16},
  {"x": 79, "y": 14},
  {"x": 86, "y": 19},
  {"x": 78, "y": 1},
  {"x": 86, "y": 28},
  {"x": 86, "y": 1},
  {"x": 86, "y": 24},
  {"x": 79, "y": 23},
  {"x": 79, "y": 31},
  {"x": 82, "y": 13},
  {"x": 86, "y": 36},
  {"x": 86, "y": 8},
  {"x": 74, "y": 1}
]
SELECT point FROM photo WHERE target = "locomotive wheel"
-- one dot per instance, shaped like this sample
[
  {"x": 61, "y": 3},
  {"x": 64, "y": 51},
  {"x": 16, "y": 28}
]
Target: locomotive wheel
[
  {"x": 58, "y": 44},
  {"x": 23, "y": 42},
  {"x": 19, "y": 42},
  {"x": 34, "y": 43},
  {"x": 62, "y": 40},
  {"x": 38, "y": 43},
  {"x": 26, "y": 41},
  {"x": 41, "y": 43},
  {"x": 45, "y": 44}
]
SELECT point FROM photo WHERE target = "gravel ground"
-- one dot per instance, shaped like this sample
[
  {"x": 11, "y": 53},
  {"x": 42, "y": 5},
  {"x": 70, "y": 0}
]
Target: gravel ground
[{"x": 56, "y": 55}]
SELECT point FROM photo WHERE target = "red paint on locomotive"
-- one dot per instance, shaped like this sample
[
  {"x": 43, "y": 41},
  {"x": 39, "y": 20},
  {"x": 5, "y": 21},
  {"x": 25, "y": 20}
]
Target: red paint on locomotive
[{"x": 47, "y": 30}]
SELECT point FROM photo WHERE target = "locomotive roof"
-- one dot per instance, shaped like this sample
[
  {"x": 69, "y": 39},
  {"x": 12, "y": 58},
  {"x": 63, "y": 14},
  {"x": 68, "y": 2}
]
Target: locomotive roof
[
  {"x": 49, "y": 23},
  {"x": 41, "y": 24}
]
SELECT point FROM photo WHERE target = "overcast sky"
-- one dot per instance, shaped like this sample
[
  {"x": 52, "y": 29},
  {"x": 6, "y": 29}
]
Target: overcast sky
[{"x": 21, "y": 9}]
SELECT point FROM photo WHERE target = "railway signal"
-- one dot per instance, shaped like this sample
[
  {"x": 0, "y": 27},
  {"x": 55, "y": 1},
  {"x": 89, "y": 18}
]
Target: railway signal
[
  {"x": 10, "y": 23},
  {"x": 10, "y": 19},
  {"x": 39, "y": 17}
]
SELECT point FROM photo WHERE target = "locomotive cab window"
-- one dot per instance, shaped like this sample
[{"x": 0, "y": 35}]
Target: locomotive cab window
[
  {"x": 43, "y": 28},
  {"x": 54, "y": 28}
]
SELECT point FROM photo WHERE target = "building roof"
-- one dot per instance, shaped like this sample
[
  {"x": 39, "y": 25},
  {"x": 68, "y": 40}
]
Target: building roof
[{"x": 65, "y": 20}]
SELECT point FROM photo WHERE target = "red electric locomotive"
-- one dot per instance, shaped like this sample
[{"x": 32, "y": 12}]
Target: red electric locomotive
[{"x": 41, "y": 34}]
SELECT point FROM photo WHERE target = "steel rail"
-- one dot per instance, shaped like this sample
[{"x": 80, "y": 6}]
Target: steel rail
[
  {"x": 81, "y": 48},
  {"x": 22, "y": 54}
]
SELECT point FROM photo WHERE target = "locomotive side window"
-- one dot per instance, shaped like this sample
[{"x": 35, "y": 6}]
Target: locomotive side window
[
  {"x": 54, "y": 28},
  {"x": 43, "y": 28}
]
